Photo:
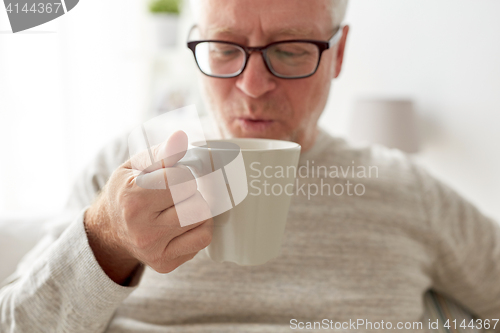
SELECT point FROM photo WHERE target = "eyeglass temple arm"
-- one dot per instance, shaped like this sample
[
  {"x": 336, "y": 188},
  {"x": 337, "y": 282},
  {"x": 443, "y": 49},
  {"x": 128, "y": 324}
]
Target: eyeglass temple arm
[
  {"x": 191, "y": 32},
  {"x": 336, "y": 37}
]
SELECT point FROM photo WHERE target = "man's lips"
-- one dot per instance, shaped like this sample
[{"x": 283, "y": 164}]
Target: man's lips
[{"x": 254, "y": 124}]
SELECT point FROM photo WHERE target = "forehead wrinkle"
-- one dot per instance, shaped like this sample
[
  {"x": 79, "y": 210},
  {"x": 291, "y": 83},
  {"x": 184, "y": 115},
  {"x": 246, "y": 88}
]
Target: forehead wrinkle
[
  {"x": 288, "y": 31},
  {"x": 292, "y": 31},
  {"x": 220, "y": 30}
]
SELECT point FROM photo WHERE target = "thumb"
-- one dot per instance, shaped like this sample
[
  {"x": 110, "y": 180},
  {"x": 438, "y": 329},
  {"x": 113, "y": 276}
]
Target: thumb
[
  {"x": 163, "y": 155},
  {"x": 170, "y": 151}
]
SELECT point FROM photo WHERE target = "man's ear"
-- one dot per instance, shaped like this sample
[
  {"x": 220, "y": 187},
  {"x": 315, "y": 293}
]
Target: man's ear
[{"x": 340, "y": 52}]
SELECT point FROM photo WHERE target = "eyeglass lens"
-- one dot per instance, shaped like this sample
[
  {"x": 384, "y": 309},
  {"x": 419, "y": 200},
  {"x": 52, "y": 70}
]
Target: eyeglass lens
[{"x": 293, "y": 59}]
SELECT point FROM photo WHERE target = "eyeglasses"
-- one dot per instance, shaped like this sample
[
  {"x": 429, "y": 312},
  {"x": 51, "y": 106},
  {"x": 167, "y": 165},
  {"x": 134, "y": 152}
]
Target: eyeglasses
[{"x": 290, "y": 59}]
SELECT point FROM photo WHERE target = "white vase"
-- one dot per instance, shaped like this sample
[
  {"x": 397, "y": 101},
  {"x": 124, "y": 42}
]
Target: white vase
[{"x": 166, "y": 27}]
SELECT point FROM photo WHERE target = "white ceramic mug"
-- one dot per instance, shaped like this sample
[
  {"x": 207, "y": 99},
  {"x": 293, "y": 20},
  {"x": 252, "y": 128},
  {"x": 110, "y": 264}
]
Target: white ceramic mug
[{"x": 251, "y": 233}]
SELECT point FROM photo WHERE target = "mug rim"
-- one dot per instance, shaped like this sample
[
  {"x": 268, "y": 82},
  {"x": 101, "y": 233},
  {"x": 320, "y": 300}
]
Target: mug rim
[{"x": 287, "y": 145}]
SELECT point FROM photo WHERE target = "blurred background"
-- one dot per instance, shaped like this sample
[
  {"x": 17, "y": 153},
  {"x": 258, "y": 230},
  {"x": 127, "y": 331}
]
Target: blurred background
[{"x": 70, "y": 86}]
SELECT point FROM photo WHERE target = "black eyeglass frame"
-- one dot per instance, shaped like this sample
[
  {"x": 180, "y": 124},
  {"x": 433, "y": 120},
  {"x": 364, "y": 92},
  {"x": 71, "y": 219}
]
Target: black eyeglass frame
[{"x": 321, "y": 45}]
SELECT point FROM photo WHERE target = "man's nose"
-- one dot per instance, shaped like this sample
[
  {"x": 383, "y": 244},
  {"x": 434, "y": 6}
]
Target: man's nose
[{"x": 256, "y": 80}]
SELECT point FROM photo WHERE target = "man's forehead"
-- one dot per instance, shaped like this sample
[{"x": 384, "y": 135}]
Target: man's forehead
[
  {"x": 303, "y": 31},
  {"x": 301, "y": 18}
]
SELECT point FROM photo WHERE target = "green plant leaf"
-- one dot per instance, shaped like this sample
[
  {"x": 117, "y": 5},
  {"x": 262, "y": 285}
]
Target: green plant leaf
[{"x": 165, "y": 6}]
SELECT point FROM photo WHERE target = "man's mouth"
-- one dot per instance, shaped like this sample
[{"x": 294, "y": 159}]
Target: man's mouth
[{"x": 254, "y": 124}]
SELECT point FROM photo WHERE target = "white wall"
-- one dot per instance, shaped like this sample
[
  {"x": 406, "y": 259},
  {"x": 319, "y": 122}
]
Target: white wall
[
  {"x": 445, "y": 55},
  {"x": 67, "y": 87},
  {"x": 33, "y": 165}
]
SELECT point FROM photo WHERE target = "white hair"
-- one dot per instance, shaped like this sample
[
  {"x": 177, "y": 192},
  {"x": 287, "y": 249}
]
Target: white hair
[{"x": 338, "y": 8}]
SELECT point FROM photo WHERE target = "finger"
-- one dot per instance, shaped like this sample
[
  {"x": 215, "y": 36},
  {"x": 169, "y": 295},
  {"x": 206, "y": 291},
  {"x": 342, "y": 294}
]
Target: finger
[
  {"x": 170, "y": 151},
  {"x": 170, "y": 219},
  {"x": 164, "y": 178},
  {"x": 163, "y": 155},
  {"x": 193, "y": 210},
  {"x": 190, "y": 241},
  {"x": 163, "y": 266},
  {"x": 156, "y": 191},
  {"x": 159, "y": 237}
]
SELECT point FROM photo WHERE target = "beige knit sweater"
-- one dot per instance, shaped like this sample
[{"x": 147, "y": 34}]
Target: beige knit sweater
[{"x": 366, "y": 256}]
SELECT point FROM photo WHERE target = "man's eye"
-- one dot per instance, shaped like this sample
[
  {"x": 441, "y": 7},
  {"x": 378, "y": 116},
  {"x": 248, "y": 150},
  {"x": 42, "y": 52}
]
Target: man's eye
[
  {"x": 228, "y": 52},
  {"x": 224, "y": 52},
  {"x": 290, "y": 53}
]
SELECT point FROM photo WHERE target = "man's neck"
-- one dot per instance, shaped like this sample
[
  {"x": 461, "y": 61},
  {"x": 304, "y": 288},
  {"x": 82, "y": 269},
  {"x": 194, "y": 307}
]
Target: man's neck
[{"x": 307, "y": 142}]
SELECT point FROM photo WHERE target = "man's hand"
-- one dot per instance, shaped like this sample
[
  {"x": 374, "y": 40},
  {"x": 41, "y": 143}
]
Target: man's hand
[{"x": 131, "y": 223}]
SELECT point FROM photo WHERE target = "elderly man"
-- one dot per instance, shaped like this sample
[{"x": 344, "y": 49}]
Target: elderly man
[{"x": 125, "y": 264}]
